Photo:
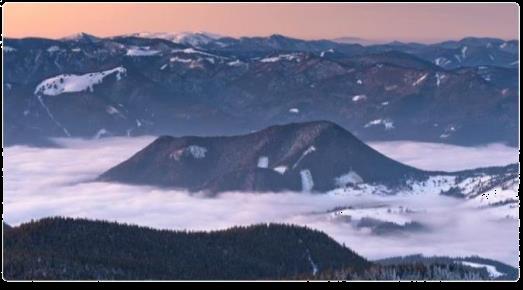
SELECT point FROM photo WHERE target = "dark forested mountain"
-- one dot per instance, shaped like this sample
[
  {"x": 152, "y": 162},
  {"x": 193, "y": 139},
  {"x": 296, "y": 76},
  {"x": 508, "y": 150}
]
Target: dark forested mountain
[
  {"x": 310, "y": 157},
  {"x": 463, "y": 92},
  {"x": 77, "y": 249},
  {"x": 57, "y": 248},
  {"x": 317, "y": 156}
]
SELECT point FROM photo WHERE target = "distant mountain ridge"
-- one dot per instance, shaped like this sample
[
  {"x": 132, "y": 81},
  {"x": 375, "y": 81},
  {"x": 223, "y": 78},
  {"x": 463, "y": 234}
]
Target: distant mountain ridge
[
  {"x": 195, "y": 39},
  {"x": 463, "y": 92}
]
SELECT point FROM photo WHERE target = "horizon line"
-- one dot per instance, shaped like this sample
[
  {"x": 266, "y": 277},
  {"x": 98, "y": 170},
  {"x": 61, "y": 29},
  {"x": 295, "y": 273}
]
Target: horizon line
[{"x": 356, "y": 38}]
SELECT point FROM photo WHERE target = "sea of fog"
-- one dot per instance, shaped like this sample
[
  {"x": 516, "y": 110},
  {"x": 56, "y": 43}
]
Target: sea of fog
[{"x": 42, "y": 182}]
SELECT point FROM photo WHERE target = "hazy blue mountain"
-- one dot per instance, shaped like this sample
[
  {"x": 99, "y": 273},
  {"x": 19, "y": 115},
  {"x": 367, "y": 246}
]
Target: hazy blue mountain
[{"x": 86, "y": 86}]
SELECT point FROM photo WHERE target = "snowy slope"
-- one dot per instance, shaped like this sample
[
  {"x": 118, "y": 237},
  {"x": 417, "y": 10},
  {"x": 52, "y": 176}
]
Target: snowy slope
[
  {"x": 190, "y": 38},
  {"x": 493, "y": 272},
  {"x": 141, "y": 51},
  {"x": 287, "y": 57},
  {"x": 70, "y": 83}
]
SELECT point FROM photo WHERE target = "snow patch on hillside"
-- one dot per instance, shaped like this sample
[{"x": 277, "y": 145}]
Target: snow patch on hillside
[
  {"x": 194, "y": 51},
  {"x": 315, "y": 268},
  {"x": 287, "y": 57},
  {"x": 464, "y": 52},
  {"x": 387, "y": 123},
  {"x": 263, "y": 162},
  {"x": 306, "y": 180},
  {"x": 420, "y": 80},
  {"x": 112, "y": 110},
  {"x": 492, "y": 271},
  {"x": 69, "y": 83},
  {"x": 141, "y": 51},
  {"x": 441, "y": 61},
  {"x": 349, "y": 178},
  {"x": 8, "y": 48},
  {"x": 434, "y": 185},
  {"x": 280, "y": 169},
  {"x": 305, "y": 153},
  {"x": 448, "y": 132},
  {"x": 101, "y": 133},
  {"x": 358, "y": 98},
  {"x": 322, "y": 54},
  {"x": 190, "y": 38},
  {"x": 506, "y": 192},
  {"x": 197, "y": 152},
  {"x": 179, "y": 59},
  {"x": 439, "y": 78},
  {"x": 53, "y": 48},
  {"x": 235, "y": 63},
  {"x": 51, "y": 116}
]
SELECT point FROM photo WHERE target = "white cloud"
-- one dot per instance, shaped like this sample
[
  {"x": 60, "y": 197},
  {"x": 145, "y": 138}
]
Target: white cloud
[
  {"x": 438, "y": 156},
  {"x": 41, "y": 182}
]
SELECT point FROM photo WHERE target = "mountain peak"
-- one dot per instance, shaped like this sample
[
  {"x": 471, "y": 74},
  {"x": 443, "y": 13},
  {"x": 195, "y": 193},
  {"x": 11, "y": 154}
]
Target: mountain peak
[
  {"x": 311, "y": 156},
  {"x": 197, "y": 38},
  {"x": 324, "y": 124},
  {"x": 81, "y": 36}
]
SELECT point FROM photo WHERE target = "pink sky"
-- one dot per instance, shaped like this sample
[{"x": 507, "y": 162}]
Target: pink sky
[{"x": 406, "y": 22}]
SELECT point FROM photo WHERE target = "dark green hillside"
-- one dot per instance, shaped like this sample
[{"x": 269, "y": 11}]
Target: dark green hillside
[
  {"x": 64, "y": 248},
  {"x": 79, "y": 249}
]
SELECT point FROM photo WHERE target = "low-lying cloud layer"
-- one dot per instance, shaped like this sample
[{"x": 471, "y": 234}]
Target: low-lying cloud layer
[
  {"x": 437, "y": 156},
  {"x": 41, "y": 182}
]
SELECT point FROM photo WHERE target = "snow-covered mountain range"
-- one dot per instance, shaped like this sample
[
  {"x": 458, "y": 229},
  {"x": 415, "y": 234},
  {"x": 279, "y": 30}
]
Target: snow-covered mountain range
[{"x": 460, "y": 92}]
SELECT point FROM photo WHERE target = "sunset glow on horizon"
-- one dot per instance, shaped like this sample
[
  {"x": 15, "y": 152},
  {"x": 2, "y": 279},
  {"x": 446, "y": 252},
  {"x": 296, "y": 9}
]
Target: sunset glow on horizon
[{"x": 379, "y": 21}]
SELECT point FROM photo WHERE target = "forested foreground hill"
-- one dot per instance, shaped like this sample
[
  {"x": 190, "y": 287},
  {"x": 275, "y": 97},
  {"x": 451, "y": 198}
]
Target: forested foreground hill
[
  {"x": 63, "y": 248},
  {"x": 79, "y": 249}
]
